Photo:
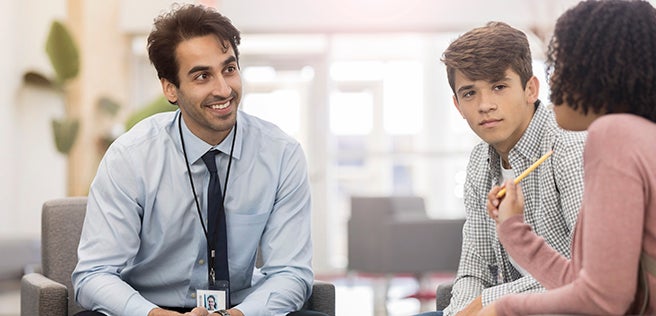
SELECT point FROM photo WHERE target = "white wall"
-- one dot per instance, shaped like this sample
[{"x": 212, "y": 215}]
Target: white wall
[
  {"x": 256, "y": 16},
  {"x": 31, "y": 169},
  {"x": 8, "y": 10}
]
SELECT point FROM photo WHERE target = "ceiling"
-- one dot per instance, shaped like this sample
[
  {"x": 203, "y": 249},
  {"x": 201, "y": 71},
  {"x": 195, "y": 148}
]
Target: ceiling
[{"x": 353, "y": 16}]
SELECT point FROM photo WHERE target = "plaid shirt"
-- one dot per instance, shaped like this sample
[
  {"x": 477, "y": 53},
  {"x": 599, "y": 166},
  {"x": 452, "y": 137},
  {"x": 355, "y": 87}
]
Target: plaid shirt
[{"x": 552, "y": 195}]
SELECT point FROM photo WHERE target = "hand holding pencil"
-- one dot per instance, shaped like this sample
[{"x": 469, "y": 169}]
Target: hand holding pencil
[
  {"x": 514, "y": 203},
  {"x": 526, "y": 172}
]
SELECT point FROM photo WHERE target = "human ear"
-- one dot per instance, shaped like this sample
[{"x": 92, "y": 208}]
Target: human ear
[
  {"x": 170, "y": 91},
  {"x": 532, "y": 90}
]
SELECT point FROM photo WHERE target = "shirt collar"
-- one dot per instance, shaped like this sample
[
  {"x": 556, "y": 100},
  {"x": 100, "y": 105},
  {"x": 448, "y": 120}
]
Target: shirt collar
[{"x": 197, "y": 147}]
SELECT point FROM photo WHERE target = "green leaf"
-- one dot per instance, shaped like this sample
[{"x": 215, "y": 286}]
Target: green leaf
[
  {"x": 65, "y": 131},
  {"x": 37, "y": 79},
  {"x": 63, "y": 52},
  {"x": 108, "y": 106},
  {"x": 158, "y": 105}
]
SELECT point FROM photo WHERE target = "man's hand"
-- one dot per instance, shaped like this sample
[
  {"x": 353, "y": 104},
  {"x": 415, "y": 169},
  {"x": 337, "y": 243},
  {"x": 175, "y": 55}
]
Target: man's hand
[
  {"x": 235, "y": 312},
  {"x": 488, "y": 311},
  {"x": 509, "y": 205},
  {"x": 473, "y": 308},
  {"x": 198, "y": 311},
  {"x": 162, "y": 312}
]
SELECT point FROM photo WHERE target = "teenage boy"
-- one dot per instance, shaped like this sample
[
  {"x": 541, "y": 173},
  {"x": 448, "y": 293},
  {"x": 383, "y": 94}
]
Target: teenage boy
[{"x": 490, "y": 72}]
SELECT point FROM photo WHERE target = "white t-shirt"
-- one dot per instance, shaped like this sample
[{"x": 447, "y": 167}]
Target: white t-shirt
[{"x": 508, "y": 174}]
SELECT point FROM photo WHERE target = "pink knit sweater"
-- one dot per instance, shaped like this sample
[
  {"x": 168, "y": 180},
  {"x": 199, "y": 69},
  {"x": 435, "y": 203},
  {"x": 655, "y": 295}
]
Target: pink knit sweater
[{"x": 616, "y": 223}]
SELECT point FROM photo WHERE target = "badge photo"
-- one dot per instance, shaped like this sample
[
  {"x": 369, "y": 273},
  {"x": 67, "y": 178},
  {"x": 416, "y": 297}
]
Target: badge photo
[{"x": 212, "y": 300}]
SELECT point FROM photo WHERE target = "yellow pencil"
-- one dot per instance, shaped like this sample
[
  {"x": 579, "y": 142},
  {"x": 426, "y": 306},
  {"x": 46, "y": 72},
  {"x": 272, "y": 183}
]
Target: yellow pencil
[{"x": 526, "y": 172}]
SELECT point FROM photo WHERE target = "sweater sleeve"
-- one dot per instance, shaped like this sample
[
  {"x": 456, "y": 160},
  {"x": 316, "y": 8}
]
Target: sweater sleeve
[
  {"x": 601, "y": 278},
  {"x": 529, "y": 249}
]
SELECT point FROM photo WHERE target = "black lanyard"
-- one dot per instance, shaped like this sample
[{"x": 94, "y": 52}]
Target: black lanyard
[{"x": 211, "y": 252}]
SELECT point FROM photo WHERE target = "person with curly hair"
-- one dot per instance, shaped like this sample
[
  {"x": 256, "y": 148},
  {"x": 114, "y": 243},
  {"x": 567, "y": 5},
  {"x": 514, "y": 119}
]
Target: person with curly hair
[{"x": 602, "y": 57}]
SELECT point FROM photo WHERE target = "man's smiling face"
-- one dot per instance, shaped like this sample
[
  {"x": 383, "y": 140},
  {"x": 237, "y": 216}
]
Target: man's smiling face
[{"x": 210, "y": 87}]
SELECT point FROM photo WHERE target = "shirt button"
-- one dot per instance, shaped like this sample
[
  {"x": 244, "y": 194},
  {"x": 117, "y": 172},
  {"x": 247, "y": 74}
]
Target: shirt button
[
  {"x": 193, "y": 295},
  {"x": 201, "y": 261}
]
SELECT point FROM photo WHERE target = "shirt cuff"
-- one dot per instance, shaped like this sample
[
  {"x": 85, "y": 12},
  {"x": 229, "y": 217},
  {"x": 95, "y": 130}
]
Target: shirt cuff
[
  {"x": 138, "y": 305},
  {"x": 248, "y": 308}
]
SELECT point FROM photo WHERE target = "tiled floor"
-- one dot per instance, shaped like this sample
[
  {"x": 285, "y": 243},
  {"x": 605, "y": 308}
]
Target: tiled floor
[{"x": 354, "y": 295}]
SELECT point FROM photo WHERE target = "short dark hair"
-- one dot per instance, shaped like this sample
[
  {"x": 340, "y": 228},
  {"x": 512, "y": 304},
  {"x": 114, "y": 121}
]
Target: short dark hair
[
  {"x": 182, "y": 23},
  {"x": 602, "y": 58},
  {"x": 485, "y": 53}
]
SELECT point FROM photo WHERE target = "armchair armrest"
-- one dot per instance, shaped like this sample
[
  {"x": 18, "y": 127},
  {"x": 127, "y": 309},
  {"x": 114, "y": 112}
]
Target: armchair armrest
[
  {"x": 322, "y": 298},
  {"x": 443, "y": 295},
  {"x": 42, "y": 296}
]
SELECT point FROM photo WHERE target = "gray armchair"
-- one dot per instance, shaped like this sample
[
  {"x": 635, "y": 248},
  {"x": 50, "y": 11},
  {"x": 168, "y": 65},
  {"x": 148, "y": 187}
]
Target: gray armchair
[
  {"x": 443, "y": 295},
  {"x": 393, "y": 234},
  {"x": 51, "y": 292}
]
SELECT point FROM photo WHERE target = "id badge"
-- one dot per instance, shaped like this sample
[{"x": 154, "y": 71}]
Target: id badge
[{"x": 212, "y": 300}]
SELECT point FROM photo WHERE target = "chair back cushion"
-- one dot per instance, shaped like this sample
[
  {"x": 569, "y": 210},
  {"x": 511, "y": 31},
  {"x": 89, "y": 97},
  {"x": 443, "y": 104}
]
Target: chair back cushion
[
  {"x": 394, "y": 234},
  {"x": 61, "y": 226}
]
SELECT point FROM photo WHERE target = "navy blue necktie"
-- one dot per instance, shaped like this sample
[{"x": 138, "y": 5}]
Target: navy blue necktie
[{"x": 216, "y": 221}]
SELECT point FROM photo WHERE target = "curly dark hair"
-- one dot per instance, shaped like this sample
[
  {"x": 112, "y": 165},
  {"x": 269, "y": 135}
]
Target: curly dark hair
[
  {"x": 602, "y": 58},
  {"x": 184, "y": 22},
  {"x": 485, "y": 53}
]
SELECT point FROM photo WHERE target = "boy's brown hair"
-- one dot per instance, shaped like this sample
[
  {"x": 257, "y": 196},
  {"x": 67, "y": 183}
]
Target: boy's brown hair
[{"x": 485, "y": 53}]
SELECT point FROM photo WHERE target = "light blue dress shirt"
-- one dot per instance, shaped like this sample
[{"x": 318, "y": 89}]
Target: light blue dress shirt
[{"x": 142, "y": 243}]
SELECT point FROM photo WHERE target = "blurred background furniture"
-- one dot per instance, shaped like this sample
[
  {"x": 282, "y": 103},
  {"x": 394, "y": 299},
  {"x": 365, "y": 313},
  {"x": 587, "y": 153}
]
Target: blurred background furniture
[
  {"x": 391, "y": 235},
  {"x": 51, "y": 292},
  {"x": 22, "y": 255}
]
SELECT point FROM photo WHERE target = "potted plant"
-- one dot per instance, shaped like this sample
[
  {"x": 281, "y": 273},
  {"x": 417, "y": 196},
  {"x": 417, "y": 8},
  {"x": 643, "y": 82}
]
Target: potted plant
[{"x": 64, "y": 57}]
